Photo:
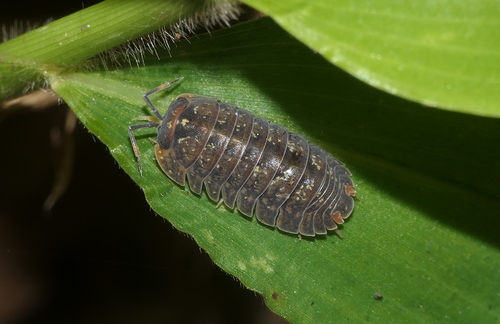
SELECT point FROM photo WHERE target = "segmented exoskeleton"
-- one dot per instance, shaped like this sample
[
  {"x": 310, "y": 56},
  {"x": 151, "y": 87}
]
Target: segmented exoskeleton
[{"x": 258, "y": 167}]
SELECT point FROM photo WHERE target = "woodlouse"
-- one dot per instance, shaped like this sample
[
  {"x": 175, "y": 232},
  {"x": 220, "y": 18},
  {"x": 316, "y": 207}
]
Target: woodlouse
[{"x": 256, "y": 166}]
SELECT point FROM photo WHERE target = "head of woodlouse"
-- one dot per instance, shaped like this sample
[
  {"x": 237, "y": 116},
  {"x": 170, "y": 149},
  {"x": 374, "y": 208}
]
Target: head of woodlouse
[
  {"x": 165, "y": 130},
  {"x": 183, "y": 134}
]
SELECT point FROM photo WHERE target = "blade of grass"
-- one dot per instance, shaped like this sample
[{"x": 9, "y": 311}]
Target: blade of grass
[
  {"x": 439, "y": 53},
  {"x": 418, "y": 175},
  {"x": 84, "y": 34}
]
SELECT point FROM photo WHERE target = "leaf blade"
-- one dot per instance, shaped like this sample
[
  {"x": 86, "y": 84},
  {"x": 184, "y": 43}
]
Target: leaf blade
[
  {"x": 437, "y": 53},
  {"x": 402, "y": 239}
]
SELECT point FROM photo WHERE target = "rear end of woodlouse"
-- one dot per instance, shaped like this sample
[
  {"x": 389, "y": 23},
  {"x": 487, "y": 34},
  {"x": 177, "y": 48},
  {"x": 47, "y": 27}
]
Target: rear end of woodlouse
[{"x": 248, "y": 163}]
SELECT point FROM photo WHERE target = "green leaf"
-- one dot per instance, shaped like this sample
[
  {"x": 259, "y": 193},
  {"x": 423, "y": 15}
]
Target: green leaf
[
  {"x": 443, "y": 54},
  {"x": 424, "y": 232}
]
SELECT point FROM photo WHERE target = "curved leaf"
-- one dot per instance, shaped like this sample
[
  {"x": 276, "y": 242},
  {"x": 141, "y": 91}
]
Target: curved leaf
[
  {"x": 423, "y": 233},
  {"x": 440, "y": 53}
]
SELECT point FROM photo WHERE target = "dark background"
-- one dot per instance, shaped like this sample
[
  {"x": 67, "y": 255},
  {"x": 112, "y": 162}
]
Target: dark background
[{"x": 93, "y": 258}]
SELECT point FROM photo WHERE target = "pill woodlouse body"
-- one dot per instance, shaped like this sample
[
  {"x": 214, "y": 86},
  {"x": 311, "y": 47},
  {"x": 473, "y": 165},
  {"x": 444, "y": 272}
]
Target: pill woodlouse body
[{"x": 258, "y": 167}]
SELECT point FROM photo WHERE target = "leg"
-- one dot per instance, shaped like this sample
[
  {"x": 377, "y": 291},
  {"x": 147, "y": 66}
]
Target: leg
[
  {"x": 137, "y": 152},
  {"x": 158, "y": 88}
]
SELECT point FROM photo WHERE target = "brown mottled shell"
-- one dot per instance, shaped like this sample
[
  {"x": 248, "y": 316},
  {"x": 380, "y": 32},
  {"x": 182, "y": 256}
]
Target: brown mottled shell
[{"x": 258, "y": 167}]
